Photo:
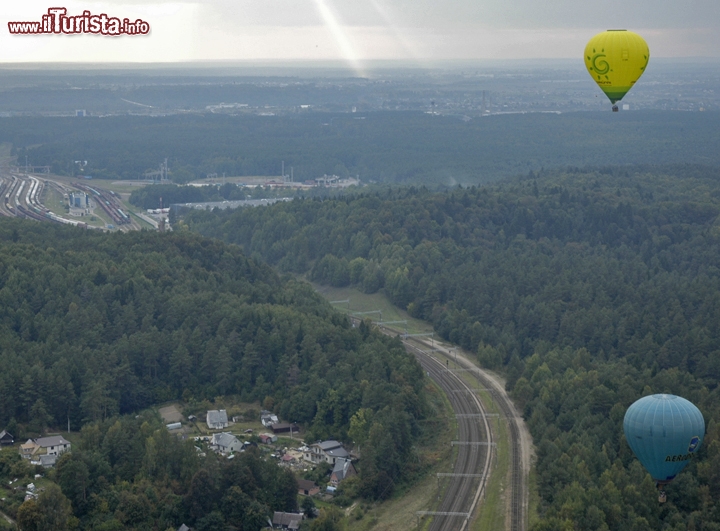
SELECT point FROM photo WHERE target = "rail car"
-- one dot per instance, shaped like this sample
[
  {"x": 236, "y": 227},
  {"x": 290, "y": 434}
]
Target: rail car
[
  {"x": 64, "y": 221},
  {"x": 107, "y": 204}
]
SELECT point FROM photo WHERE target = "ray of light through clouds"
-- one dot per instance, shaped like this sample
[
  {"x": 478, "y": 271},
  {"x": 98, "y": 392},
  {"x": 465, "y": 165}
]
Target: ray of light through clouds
[
  {"x": 418, "y": 31},
  {"x": 408, "y": 45},
  {"x": 340, "y": 35}
]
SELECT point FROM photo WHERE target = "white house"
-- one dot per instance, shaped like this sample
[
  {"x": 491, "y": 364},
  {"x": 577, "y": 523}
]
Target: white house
[
  {"x": 54, "y": 445},
  {"x": 268, "y": 419},
  {"x": 328, "y": 451},
  {"x": 217, "y": 419},
  {"x": 225, "y": 443}
]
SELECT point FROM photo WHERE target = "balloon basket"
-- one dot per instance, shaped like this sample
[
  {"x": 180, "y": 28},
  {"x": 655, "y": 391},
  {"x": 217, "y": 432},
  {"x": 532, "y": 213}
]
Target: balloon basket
[{"x": 615, "y": 108}]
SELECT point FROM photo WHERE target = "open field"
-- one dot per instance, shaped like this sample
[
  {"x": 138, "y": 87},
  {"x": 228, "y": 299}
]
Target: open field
[
  {"x": 534, "y": 502},
  {"x": 171, "y": 414},
  {"x": 133, "y": 211},
  {"x": 5, "y": 148},
  {"x": 53, "y": 200},
  {"x": 362, "y": 302}
]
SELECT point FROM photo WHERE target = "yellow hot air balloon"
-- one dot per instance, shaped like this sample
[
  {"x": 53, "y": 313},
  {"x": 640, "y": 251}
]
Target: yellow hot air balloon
[{"x": 616, "y": 59}]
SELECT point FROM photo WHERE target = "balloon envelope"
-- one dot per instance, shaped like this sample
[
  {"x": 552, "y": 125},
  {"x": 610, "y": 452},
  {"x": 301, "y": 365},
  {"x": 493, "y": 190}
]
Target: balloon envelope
[
  {"x": 616, "y": 59},
  {"x": 664, "y": 432}
]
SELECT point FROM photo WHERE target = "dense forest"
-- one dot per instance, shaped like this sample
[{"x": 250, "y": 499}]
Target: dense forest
[
  {"x": 588, "y": 288},
  {"x": 395, "y": 147},
  {"x": 95, "y": 326}
]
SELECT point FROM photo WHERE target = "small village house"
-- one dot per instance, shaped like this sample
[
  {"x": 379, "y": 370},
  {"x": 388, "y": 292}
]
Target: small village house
[
  {"x": 6, "y": 439},
  {"x": 307, "y": 487},
  {"x": 267, "y": 418},
  {"x": 343, "y": 469},
  {"x": 328, "y": 451},
  {"x": 54, "y": 445},
  {"x": 217, "y": 419},
  {"x": 284, "y": 427},
  {"x": 225, "y": 443},
  {"x": 287, "y": 520},
  {"x": 267, "y": 438}
]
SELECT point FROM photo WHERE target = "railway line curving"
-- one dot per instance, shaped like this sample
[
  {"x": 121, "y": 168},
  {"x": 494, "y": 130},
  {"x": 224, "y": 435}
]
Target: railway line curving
[
  {"x": 461, "y": 490},
  {"x": 472, "y": 466}
]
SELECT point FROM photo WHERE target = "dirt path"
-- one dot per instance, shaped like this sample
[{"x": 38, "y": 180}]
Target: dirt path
[{"x": 10, "y": 520}]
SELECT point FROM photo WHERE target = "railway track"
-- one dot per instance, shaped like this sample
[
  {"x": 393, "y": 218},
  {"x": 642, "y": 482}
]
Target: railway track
[
  {"x": 22, "y": 194},
  {"x": 475, "y": 438},
  {"x": 518, "y": 497},
  {"x": 517, "y": 493},
  {"x": 472, "y": 466}
]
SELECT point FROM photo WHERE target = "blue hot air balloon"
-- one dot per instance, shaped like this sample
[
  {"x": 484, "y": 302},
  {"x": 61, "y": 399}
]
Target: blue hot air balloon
[{"x": 665, "y": 433}]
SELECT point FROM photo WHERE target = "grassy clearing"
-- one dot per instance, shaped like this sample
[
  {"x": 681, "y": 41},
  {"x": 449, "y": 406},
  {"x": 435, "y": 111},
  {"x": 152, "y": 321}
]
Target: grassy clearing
[
  {"x": 101, "y": 219},
  {"x": 5, "y": 148},
  {"x": 122, "y": 188},
  {"x": 251, "y": 421},
  {"x": 533, "y": 514},
  {"x": 53, "y": 200},
  {"x": 363, "y": 302},
  {"x": 491, "y": 512}
]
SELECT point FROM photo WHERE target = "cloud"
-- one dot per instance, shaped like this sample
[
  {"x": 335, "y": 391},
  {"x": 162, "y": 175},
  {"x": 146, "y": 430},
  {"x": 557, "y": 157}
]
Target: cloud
[
  {"x": 518, "y": 14},
  {"x": 371, "y": 29}
]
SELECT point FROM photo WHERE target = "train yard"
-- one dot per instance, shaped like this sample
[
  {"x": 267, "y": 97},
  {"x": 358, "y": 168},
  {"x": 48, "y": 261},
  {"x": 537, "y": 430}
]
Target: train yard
[{"x": 24, "y": 196}]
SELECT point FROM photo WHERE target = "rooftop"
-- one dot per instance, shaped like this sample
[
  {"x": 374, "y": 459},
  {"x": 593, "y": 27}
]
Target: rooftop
[
  {"x": 223, "y": 439},
  {"x": 55, "y": 440},
  {"x": 329, "y": 445},
  {"x": 215, "y": 416}
]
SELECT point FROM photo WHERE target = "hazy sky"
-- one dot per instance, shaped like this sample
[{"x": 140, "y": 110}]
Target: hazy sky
[{"x": 356, "y": 31}]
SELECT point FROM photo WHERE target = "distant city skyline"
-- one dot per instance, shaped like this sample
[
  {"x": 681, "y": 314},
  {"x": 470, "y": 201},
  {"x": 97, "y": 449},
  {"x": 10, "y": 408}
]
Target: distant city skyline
[{"x": 416, "y": 31}]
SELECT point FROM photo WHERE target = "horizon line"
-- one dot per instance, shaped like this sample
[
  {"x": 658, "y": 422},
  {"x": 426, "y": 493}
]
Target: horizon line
[{"x": 335, "y": 63}]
